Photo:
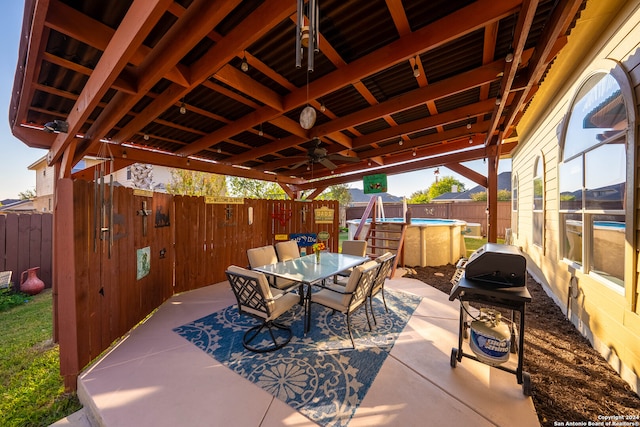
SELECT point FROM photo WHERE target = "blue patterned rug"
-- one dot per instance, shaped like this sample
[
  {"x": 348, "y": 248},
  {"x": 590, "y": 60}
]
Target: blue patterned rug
[{"x": 320, "y": 374}]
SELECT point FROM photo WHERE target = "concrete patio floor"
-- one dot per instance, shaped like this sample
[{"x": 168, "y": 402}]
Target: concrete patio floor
[{"x": 154, "y": 377}]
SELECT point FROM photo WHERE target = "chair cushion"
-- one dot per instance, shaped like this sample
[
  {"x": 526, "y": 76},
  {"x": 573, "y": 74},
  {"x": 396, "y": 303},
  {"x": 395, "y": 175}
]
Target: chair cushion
[
  {"x": 287, "y": 250},
  {"x": 266, "y": 255},
  {"x": 283, "y": 304},
  {"x": 330, "y": 299},
  {"x": 263, "y": 255},
  {"x": 354, "y": 247},
  {"x": 385, "y": 256}
]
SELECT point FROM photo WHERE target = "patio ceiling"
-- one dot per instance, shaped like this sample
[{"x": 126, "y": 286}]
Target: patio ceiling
[{"x": 120, "y": 71}]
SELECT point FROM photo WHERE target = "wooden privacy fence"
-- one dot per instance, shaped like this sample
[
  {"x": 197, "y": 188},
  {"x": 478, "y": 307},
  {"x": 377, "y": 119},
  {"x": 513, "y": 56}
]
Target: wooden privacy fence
[
  {"x": 211, "y": 236},
  {"x": 471, "y": 212},
  {"x": 25, "y": 242},
  {"x": 120, "y": 258}
]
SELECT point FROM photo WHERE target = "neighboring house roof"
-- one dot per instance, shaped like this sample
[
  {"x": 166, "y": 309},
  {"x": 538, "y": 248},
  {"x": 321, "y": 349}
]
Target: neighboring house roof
[
  {"x": 21, "y": 206},
  {"x": 504, "y": 183},
  {"x": 358, "y": 196}
]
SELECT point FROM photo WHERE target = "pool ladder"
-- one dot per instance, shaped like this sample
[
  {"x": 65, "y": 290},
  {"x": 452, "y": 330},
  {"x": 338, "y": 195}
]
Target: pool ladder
[{"x": 382, "y": 236}]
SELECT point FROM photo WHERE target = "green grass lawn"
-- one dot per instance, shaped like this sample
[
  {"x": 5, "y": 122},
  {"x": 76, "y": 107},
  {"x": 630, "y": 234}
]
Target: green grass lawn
[
  {"x": 32, "y": 388},
  {"x": 473, "y": 244}
]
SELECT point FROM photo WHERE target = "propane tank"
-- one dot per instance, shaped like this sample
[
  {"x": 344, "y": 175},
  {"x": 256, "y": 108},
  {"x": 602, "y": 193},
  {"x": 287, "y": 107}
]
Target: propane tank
[{"x": 490, "y": 338}]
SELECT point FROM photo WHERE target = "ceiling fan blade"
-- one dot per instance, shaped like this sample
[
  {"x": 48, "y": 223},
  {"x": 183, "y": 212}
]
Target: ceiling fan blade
[
  {"x": 327, "y": 163},
  {"x": 342, "y": 158},
  {"x": 298, "y": 165}
]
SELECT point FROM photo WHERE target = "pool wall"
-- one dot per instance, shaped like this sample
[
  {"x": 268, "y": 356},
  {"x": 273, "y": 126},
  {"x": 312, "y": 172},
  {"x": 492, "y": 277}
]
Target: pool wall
[{"x": 428, "y": 242}]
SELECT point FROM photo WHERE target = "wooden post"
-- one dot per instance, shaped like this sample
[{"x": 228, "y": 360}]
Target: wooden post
[
  {"x": 492, "y": 197},
  {"x": 65, "y": 283}
]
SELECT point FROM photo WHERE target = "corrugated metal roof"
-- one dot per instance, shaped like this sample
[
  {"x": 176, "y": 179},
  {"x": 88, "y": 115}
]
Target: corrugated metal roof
[{"x": 363, "y": 78}]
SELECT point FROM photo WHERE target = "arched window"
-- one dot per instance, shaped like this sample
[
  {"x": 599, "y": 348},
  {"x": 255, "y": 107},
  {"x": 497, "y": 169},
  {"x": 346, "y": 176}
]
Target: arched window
[
  {"x": 538, "y": 202},
  {"x": 592, "y": 177}
]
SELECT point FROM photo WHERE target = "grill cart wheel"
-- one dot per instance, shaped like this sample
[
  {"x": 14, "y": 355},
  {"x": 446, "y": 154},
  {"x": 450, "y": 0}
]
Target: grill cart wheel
[
  {"x": 454, "y": 357},
  {"x": 526, "y": 384}
]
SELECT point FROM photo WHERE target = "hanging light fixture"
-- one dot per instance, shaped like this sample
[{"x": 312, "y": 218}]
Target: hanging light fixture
[
  {"x": 183, "y": 108},
  {"x": 509, "y": 57},
  {"x": 260, "y": 133},
  {"x": 244, "y": 66},
  {"x": 307, "y": 35},
  {"x": 416, "y": 69}
]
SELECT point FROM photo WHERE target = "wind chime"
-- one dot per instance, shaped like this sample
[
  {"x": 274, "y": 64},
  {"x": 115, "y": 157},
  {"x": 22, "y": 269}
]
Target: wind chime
[
  {"x": 103, "y": 203},
  {"x": 307, "y": 35}
]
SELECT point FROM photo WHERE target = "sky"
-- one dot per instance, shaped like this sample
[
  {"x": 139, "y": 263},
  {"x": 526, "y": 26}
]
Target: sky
[{"x": 16, "y": 156}]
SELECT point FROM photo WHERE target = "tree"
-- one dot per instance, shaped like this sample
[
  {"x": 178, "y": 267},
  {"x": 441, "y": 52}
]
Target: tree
[
  {"x": 441, "y": 186},
  {"x": 254, "y": 188},
  {"x": 193, "y": 183},
  {"x": 338, "y": 192},
  {"x": 444, "y": 185},
  {"x": 27, "y": 194},
  {"x": 503, "y": 196},
  {"x": 419, "y": 196}
]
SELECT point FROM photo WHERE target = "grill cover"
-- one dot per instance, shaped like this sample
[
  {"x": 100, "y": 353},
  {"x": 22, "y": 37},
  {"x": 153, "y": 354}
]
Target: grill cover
[{"x": 498, "y": 265}]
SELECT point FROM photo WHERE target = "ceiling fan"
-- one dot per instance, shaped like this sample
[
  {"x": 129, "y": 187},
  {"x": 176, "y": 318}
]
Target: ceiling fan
[{"x": 317, "y": 154}]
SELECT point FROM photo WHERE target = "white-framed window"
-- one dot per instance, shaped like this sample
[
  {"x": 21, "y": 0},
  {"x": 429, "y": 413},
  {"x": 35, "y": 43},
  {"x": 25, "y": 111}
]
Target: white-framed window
[
  {"x": 592, "y": 177},
  {"x": 514, "y": 205},
  {"x": 538, "y": 202}
]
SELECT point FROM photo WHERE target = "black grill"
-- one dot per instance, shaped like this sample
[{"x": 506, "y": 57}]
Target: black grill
[{"x": 493, "y": 265}]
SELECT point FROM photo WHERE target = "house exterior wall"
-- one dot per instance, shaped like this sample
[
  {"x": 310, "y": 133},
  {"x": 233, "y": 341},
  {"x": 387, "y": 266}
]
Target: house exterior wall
[
  {"x": 43, "y": 202},
  {"x": 607, "y": 315}
]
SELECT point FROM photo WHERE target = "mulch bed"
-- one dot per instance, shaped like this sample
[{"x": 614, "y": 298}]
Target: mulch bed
[{"x": 571, "y": 381}]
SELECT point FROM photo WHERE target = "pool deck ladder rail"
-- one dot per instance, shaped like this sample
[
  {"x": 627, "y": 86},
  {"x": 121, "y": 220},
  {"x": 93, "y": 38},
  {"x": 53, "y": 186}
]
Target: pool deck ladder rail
[{"x": 380, "y": 240}]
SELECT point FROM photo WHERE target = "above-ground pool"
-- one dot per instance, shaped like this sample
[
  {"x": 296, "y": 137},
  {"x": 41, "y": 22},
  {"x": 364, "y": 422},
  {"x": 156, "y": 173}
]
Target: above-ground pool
[{"x": 427, "y": 241}]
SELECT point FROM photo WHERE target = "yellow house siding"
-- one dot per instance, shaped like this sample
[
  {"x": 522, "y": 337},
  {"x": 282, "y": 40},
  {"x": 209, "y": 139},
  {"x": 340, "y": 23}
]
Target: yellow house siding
[{"x": 599, "y": 310}]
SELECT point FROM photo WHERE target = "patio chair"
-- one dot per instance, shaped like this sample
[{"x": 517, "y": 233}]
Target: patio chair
[
  {"x": 266, "y": 255},
  {"x": 287, "y": 250},
  {"x": 386, "y": 263},
  {"x": 351, "y": 247},
  {"x": 255, "y": 299},
  {"x": 353, "y": 296}
]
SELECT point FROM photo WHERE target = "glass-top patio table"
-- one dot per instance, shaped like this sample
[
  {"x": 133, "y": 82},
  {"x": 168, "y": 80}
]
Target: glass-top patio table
[{"x": 306, "y": 271}]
